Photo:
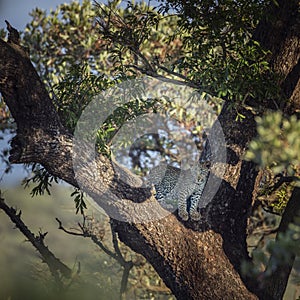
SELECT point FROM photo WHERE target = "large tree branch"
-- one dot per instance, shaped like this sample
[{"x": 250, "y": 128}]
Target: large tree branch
[
  {"x": 193, "y": 264},
  {"x": 24, "y": 93}
]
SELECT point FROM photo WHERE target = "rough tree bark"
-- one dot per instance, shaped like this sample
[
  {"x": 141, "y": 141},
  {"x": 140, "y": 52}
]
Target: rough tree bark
[{"x": 196, "y": 261}]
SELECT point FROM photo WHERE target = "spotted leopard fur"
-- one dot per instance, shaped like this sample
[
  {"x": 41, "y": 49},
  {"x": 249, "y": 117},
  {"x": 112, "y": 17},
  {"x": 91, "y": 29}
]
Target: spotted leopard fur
[{"x": 182, "y": 186}]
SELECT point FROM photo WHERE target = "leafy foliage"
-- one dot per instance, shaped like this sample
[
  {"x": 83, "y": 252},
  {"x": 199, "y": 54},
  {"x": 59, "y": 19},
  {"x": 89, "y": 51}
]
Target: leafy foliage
[
  {"x": 281, "y": 199},
  {"x": 282, "y": 249},
  {"x": 138, "y": 36},
  {"x": 75, "y": 91},
  {"x": 277, "y": 145},
  {"x": 276, "y": 148},
  {"x": 79, "y": 201},
  {"x": 71, "y": 36},
  {"x": 218, "y": 53},
  {"x": 42, "y": 179},
  {"x": 65, "y": 37}
]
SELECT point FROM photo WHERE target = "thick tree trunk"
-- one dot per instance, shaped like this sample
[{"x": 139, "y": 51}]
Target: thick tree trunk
[{"x": 196, "y": 260}]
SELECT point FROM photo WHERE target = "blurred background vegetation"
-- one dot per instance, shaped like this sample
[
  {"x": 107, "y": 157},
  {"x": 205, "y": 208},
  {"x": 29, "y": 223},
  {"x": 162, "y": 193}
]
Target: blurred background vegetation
[{"x": 95, "y": 275}]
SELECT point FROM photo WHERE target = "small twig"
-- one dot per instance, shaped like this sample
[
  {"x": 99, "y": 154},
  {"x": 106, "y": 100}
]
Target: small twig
[
  {"x": 177, "y": 75},
  {"x": 101, "y": 245},
  {"x": 138, "y": 53},
  {"x": 270, "y": 211},
  {"x": 60, "y": 226},
  {"x": 163, "y": 78}
]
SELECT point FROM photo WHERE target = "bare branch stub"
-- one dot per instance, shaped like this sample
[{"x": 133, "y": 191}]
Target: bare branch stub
[{"x": 13, "y": 34}]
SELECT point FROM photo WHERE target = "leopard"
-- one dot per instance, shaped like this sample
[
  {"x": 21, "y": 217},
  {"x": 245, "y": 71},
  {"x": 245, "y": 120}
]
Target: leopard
[{"x": 185, "y": 187}]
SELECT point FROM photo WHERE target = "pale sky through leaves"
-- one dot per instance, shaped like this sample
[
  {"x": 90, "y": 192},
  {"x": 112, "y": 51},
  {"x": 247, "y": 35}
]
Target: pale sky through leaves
[{"x": 17, "y": 11}]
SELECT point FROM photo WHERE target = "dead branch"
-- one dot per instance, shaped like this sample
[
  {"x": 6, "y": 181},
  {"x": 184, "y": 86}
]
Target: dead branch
[
  {"x": 116, "y": 255},
  {"x": 56, "y": 267}
]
